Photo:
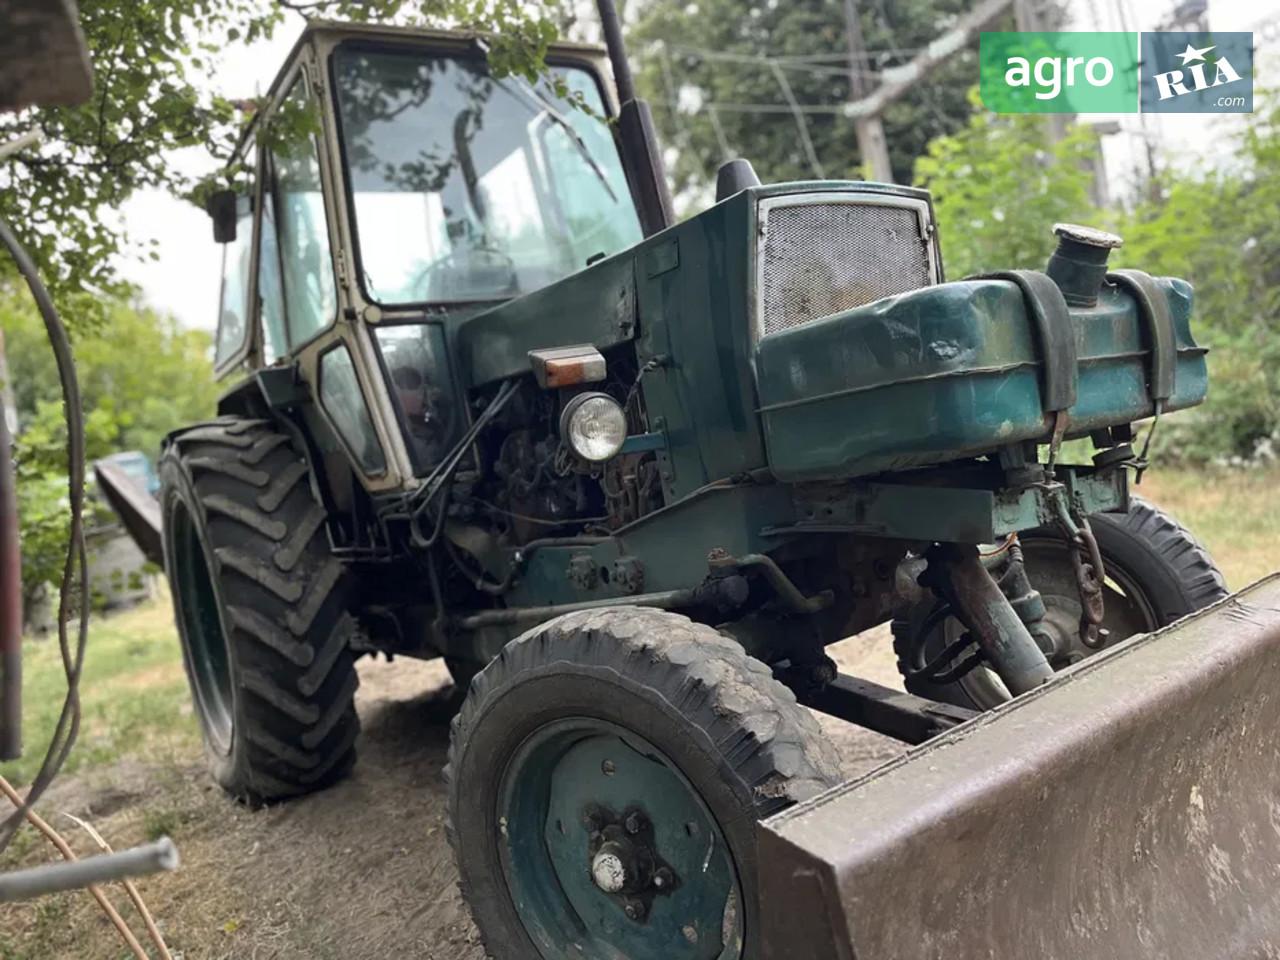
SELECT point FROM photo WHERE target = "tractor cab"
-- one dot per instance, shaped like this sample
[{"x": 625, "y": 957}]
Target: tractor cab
[{"x": 398, "y": 182}]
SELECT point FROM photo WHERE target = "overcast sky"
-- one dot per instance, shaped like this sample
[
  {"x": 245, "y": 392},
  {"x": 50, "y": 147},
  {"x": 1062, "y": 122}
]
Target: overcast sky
[{"x": 184, "y": 281}]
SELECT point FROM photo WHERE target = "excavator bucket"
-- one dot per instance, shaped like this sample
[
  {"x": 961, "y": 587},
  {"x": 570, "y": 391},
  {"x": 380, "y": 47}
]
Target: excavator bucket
[
  {"x": 1129, "y": 808},
  {"x": 137, "y": 509}
]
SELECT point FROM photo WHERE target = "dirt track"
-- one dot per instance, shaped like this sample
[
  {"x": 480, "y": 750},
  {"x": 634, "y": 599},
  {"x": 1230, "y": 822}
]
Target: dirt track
[{"x": 360, "y": 872}]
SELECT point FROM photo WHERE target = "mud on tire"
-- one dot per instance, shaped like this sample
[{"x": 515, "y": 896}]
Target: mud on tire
[{"x": 261, "y": 607}]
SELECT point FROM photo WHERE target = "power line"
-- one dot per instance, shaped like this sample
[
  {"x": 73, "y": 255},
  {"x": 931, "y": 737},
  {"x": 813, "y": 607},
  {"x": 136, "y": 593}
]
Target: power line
[
  {"x": 802, "y": 125},
  {"x": 809, "y": 109},
  {"x": 928, "y": 98},
  {"x": 760, "y": 60},
  {"x": 673, "y": 96},
  {"x": 714, "y": 113}
]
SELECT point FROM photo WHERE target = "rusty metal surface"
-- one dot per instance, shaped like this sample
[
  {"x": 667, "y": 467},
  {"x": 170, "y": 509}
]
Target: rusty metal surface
[
  {"x": 976, "y": 598},
  {"x": 1128, "y": 809},
  {"x": 893, "y": 713},
  {"x": 43, "y": 57},
  {"x": 137, "y": 509}
]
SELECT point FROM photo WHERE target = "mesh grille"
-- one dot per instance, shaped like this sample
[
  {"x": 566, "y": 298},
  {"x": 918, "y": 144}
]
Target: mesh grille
[{"x": 824, "y": 258}]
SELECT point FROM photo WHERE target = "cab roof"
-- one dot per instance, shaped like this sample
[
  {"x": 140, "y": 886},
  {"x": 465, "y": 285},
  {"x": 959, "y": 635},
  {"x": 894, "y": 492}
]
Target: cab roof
[{"x": 332, "y": 32}]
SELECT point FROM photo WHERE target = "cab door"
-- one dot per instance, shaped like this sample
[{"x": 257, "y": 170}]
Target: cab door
[{"x": 237, "y": 298}]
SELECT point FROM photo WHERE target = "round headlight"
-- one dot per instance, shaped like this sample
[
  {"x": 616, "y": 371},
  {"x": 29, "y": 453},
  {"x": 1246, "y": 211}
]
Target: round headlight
[{"x": 594, "y": 426}]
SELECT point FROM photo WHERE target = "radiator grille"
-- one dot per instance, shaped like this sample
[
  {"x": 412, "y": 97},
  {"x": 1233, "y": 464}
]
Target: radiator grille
[{"x": 824, "y": 258}]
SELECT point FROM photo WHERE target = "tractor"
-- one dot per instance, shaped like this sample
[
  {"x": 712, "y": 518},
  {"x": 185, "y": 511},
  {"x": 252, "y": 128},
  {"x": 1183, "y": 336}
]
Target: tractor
[{"x": 488, "y": 401}]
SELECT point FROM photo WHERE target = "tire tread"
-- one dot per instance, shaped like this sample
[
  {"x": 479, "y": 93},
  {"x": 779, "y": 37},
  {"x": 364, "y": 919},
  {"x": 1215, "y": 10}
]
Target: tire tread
[
  {"x": 773, "y": 745},
  {"x": 285, "y": 605}
]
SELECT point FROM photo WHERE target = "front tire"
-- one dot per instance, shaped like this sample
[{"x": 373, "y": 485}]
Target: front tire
[
  {"x": 1157, "y": 573},
  {"x": 261, "y": 606},
  {"x": 597, "y": 718}
]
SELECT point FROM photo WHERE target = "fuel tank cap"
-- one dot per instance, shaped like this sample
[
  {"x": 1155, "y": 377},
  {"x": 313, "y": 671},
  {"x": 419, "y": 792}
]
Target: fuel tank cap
[{"x": 1079, "y": 264}]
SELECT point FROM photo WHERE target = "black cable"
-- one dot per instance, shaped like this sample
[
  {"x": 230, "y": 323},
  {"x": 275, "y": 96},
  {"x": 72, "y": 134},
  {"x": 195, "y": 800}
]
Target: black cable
[
  {"x": 932, "y": 669},
  {"x": 68, "y": 725},
  {"x": 420, "y": 500},
  {"x": 961, "y": 670}
]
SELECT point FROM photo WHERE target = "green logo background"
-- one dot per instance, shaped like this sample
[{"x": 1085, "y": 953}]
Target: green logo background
[{"x": 1047, "y": 56}]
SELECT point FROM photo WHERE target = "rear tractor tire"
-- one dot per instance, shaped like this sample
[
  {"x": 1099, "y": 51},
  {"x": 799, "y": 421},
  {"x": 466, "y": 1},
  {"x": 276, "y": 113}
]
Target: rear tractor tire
[
  {"x": 261, "y": 608},
  {"x": 606, "y": 775},
  {"x": 1157, "y": 573}
]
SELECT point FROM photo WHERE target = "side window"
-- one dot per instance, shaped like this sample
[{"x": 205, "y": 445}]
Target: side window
[
  {"x": 422, "y": 390},
  {"x": 270, "y": 286},
  {"x": 310, "y": 296},
  {"x": 342, "y": 400},
  {"x": 233, "y": 308}
]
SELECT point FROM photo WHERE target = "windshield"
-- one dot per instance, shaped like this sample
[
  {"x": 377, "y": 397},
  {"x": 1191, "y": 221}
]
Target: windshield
[{"x": 471, "y": 188}]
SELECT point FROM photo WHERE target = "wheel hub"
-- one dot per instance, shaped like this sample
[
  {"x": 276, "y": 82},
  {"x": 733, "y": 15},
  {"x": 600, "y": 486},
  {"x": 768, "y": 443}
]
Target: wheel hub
[
  {"x": 606, "y": 845},
  {"x": 625, "y": 863},
  {"x": 609, "y": 869}
]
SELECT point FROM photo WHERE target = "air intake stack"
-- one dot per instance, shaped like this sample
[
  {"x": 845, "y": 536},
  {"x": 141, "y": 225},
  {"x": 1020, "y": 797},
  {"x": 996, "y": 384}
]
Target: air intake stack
[{"x": 1079, "y": 265}]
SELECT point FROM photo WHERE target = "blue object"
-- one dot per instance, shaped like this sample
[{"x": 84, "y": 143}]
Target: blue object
[{"x": 138, "y": 466}]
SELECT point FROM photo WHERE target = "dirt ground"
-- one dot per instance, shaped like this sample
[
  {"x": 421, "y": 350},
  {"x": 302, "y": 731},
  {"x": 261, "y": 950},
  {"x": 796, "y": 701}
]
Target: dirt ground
[{"x": 360, "y": 871}]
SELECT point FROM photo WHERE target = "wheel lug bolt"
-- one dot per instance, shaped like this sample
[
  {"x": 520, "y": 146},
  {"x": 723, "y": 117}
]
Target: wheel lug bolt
[
  {"x": 662, "y": 879},
  {"x": 633, "y": 823},
  {"x": 635, "y": 910}
]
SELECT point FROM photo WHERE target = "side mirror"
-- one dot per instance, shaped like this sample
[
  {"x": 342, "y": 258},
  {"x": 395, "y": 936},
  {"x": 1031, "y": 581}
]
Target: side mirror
[{"x": 222, "y": 210}]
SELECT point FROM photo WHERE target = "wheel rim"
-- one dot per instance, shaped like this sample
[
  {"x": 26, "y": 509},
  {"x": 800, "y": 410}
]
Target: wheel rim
[
  {"x": 587, "y": 807},
  {"x": 208, "y": 662},
  {"x": 1128, "y": 610}
]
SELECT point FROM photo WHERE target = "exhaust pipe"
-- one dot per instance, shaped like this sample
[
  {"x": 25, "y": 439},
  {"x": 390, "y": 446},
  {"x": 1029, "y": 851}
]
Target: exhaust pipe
[{"x": 639, "y": 140}]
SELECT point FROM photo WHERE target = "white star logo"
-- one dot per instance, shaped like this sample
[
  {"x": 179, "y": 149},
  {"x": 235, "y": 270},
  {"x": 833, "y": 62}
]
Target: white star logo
[{"x": 1191, "y": 53}]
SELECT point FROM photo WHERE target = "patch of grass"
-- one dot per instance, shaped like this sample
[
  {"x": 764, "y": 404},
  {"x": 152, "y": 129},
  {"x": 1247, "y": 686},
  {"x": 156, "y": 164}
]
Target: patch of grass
[
  {"x": 133, "y": 694},
  {"x": 1232, "y": 512},
  {"x": 160, "y": 823},
  {"x": 17, "y": 851}
]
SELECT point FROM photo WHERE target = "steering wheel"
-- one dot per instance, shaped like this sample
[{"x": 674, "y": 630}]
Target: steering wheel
[{"x": 426, "y": 280}]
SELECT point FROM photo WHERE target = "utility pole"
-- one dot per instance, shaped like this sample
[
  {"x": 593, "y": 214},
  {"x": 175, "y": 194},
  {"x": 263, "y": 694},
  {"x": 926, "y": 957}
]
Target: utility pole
[
  {"x": 872, "y": 146},
  {"x": 1031, "y": 16}
]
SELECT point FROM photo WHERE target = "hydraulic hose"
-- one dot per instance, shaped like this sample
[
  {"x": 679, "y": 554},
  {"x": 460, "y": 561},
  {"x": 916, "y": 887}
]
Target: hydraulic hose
[{"x": 68, "y": 724}]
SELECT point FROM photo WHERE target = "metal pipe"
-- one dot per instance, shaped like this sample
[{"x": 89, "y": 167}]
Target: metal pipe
[
  {"x": 666, "y": 600},
  {"x": 611, "y": 23},
  {"x": 75, "y": 874},
  {"x": 10, "y": 604},
  {"x": 892, "y": 713},
  {"x": 788, "y": 592},
  {"x": 636, "y": 135},
  {"x": 956, "y": 571}
]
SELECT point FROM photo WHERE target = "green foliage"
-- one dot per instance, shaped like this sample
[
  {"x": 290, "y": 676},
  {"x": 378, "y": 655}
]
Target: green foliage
[
  {"x": 132, "y": 693},
  {"x": 670, "y": 73},
  {"x": 1000, "y": 184},
  {"x": 140, "y": 375},
  {"x": 150, "y": 58},
  {"x": 1218, "y": 229}
]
